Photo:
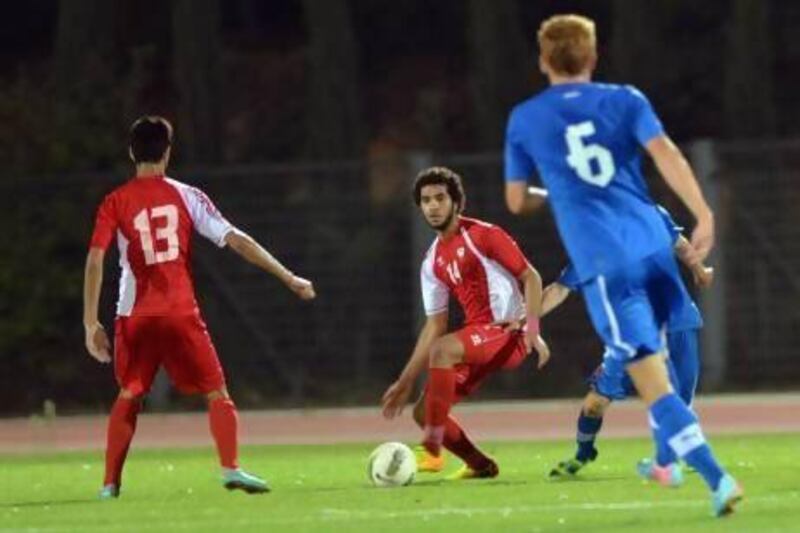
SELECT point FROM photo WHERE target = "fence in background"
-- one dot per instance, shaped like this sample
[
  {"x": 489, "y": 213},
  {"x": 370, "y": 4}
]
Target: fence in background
[{"x": 351, "y": 227}]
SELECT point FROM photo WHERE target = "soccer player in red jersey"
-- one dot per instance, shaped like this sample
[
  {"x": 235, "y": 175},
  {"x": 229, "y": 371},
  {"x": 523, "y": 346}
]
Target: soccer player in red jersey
[
  {"x": 483, "y": 268},
  {"x": 158, "y": 321}
]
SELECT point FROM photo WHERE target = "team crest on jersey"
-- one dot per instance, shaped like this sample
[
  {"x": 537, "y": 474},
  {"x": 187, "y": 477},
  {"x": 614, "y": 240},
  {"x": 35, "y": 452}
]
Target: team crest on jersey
[
  {"x": 460, "y": 252},
  {"x": 476, "y": 339},
  {"x": 439, "y": 261}
]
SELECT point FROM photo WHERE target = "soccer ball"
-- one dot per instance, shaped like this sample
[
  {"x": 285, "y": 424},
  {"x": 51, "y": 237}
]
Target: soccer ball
[{"x": 392, "y": 464}]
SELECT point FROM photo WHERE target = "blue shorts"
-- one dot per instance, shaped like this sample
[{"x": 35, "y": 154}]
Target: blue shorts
[
  {"x": 612, "y": 381},
  {"x": 630, "y": 307}
]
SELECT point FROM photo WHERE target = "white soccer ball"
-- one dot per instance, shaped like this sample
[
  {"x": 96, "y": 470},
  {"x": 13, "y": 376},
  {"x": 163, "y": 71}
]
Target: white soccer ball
[{"x": 392, "y": 464}]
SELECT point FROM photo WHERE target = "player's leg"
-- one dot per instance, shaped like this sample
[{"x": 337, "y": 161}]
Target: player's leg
[
  {"x": 119, "y": 434},
  {"x": 677, "y": 425},
  {"x": 135, "y": 366},
  {"x": 590, "y": 420},
  {"x": 664, "y": 468},
  {"x": 623, "y": 314},
  {"x": 664, "y": 455},
  {"x": 446, "y": 353},
  {"x": 194, "y": 367},
  {"x": 488, "y": 349},
  {"x": 457, "y": 442},
  {"x": 589, "y": 423},
  {"x": 483, "y": 349},
  {"x": 223, "y": 420}
]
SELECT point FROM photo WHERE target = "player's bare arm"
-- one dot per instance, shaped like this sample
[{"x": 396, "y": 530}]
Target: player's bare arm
[
  {"x": 523, "y": 199},
  {"x": 703, "y": 275},
  {"x": 251, "y": 251},
  {"x": 675, "y": 170},
  {"x": 553, "y": 296},
  {"x": 396, "y": 396},
  {"x": 97, "y": 342},
  {"x": 532, "y": 283}
]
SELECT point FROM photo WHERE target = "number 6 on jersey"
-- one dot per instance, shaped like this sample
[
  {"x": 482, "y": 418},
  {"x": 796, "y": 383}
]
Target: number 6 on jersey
[
  {"x": 167, "y": 232},
  {"x": 582, "y": 154}
]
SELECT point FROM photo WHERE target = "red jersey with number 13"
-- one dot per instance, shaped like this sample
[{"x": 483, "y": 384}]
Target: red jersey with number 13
[{"x": 152, "y": 219}]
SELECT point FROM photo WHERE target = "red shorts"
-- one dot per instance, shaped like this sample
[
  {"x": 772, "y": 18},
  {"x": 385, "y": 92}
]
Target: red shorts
[
  {"x": 181, "y": 343},
  {"x": 487, "y": 349}
]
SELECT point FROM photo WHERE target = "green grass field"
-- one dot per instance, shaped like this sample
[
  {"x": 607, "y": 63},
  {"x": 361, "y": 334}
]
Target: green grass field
[{"x": 324, "y": 488}]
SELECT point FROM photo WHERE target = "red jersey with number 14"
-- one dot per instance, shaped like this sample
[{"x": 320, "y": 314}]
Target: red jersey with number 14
[
  {"x": 480, "y": 265},
  {"x": 152, "y": 219}
]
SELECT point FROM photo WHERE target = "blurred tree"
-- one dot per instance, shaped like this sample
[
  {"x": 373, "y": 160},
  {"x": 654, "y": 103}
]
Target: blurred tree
[
  {"x": 502, "y": 65},
  {"x": 198, "y": 78},
  {"x": 85, "y": 64},
  {"x": 248, "y": 13},
  {"x": 335, "y": 124},
  {"x": 629, "y": 42},
  {"x": 748, "y": 100}
]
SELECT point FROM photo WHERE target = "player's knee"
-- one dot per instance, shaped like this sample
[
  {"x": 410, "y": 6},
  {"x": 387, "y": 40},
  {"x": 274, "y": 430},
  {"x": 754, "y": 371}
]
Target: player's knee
[
  {"x": 126, "y": 394},
  {"x": 594, "y": 406},
  {"x": 219, "y": 394},
  {"x": 440, "y": 356}
]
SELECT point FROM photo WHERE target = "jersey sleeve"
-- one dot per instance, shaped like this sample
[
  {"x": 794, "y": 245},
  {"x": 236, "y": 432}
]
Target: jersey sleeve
[
  {"x": 569, "y": 277},
  {"x": 435, "y": 295},
  {"x": 206, "y": 218},
  {"x": 105, "y": 224},
  {"x": 672, "y": 227},
  {"x": 645, "y": 123},
  {"x": 501, "y": 247},
  {"x": 518, "y": 164}
]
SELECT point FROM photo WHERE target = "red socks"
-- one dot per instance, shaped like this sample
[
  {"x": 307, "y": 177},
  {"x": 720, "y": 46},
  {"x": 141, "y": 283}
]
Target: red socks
[
  {"x": 438, "y": 400},
  {"x": 122, "y": 424},
  {"x": 457, "y": 441},
  {"x": 121, "y": 427},
  {"x": 224, "y": 422}
]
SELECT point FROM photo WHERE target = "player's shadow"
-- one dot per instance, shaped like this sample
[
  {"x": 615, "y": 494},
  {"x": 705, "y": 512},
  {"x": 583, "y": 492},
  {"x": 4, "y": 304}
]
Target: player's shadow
[
  {"x": 578, "y": 479},
  {"x": 46, "y": 503},
  {"x": 471, "y": 483}
]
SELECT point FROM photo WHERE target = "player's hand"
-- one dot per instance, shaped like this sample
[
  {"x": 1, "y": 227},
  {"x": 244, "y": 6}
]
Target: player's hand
[
  {"x": 302, "y": 288},
  {"x": 97, "y": 342},
  {"x": 510, "y": 325},
  {"x": 702, "y": 240},
  {"x": 396, "y": 398},
  {"x": 537, "y": 343},
  {"x": 703, "y": 276}
]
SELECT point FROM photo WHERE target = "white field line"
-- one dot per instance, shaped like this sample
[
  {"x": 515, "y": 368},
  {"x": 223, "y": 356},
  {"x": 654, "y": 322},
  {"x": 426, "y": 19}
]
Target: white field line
[{"x": 340, "y": 515}]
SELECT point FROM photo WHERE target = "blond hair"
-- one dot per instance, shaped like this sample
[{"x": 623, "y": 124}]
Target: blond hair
[{"x": 568, "y": 43}]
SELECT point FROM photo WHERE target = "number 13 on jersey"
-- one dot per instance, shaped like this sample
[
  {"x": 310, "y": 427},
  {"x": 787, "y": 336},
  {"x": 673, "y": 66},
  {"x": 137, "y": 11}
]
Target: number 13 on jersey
[
  {"x": 165, "y": 220},
  {"x": 582, "y": 154}
]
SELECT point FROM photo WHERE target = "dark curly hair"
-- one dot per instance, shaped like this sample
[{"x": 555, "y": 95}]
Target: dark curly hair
[{"x": 441, "y": 176}]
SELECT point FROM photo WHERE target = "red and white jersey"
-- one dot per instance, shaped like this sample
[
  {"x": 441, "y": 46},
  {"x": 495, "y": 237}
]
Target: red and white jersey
[
  {"x": 152, "y": 219},
  {"x": 480, "y": 265}
]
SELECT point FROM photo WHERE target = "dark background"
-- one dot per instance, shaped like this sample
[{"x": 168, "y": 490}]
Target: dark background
[{"x": 305, "y": 121}]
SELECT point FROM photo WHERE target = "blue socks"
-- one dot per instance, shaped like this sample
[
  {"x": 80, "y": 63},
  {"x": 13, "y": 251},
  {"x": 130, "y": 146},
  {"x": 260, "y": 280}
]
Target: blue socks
[
  {"x": 678, "y": 428},
  {"x": 664, "y": 454},
  {"x": 588, "y": 428}
]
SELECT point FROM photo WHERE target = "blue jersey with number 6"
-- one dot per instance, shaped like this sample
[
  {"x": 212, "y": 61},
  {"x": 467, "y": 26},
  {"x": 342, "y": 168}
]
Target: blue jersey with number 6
[{"x": 584, "y": 140}]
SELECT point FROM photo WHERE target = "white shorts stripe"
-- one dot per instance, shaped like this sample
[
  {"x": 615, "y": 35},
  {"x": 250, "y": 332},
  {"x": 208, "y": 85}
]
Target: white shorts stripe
[{"x": 612, "y": 319}]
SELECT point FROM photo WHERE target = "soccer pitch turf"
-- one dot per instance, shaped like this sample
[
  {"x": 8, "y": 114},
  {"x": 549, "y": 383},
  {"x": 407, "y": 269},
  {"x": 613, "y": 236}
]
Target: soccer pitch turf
[{"x": 324, "y": 488}]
